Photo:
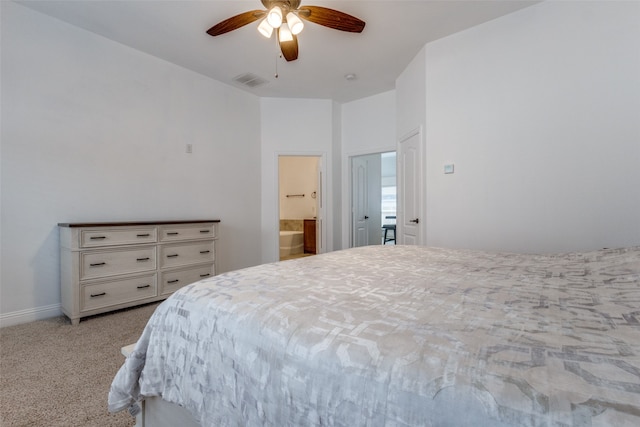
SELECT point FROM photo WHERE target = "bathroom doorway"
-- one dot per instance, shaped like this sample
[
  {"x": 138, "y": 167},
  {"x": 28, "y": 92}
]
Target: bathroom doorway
[{"x": 300, "y": 206}]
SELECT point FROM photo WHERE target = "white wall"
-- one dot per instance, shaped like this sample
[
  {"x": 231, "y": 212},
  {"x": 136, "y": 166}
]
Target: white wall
[
  {"x": 540, "y": 113},
  {"x": 95, "y": 131},
  {"x": 368, "y": 126},
  {"x": 411, "y": 95},
  {"x": 302, "y": 127},
  {"x": 337, "y": 176}
]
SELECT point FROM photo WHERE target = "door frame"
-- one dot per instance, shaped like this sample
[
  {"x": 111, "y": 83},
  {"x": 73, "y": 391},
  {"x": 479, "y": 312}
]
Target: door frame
[
  {"x": 347, "y": 226},
  {"x": 321, "y": 214}
]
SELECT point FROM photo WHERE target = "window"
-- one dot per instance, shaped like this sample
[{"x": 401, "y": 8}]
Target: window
[{"x": 388, "y": 188}]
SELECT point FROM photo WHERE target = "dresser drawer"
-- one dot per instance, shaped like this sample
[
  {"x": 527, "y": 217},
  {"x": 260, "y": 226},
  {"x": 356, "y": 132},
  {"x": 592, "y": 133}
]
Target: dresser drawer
[
  {"x": 186, "y": 253},
  {"x": 117, "y": 236},
  {"x": 98, "y": 264},
  {"x": 170, "y": 233},
  {"x": 172, "y": 280},
  {"x": 113, "y": 292}
]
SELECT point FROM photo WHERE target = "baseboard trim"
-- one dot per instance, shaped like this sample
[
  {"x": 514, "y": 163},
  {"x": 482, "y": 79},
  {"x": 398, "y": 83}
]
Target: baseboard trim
[{"x": 29, "y": 315}]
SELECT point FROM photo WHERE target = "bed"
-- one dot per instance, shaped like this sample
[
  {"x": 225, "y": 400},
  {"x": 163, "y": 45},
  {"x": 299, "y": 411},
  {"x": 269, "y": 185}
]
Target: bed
[{"x": 397, "y": 336}]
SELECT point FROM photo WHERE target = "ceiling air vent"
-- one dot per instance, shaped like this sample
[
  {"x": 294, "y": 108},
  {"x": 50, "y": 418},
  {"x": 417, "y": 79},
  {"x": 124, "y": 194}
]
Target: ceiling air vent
[{"x": 250, "y": 80}]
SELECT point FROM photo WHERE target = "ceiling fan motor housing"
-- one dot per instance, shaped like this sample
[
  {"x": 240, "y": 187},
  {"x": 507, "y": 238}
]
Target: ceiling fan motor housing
[{"x": 285, "y": 5}]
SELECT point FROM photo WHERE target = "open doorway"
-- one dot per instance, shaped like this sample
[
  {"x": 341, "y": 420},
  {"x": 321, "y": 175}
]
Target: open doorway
[
  {"x": 299, "y": 197},
  {"x": 373, "y": 199}
]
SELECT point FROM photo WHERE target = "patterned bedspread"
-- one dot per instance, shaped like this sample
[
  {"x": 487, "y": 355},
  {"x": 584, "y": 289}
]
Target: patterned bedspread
[{"x": 400, "y": 336}]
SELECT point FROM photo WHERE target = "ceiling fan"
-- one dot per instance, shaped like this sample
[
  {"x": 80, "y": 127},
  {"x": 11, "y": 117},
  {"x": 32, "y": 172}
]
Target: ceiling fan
[{"x": 284, "y": 16}]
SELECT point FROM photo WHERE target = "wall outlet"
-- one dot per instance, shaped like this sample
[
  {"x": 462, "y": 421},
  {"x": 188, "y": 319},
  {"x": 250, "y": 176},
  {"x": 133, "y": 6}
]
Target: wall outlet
[{"x": 189, "y": 148}]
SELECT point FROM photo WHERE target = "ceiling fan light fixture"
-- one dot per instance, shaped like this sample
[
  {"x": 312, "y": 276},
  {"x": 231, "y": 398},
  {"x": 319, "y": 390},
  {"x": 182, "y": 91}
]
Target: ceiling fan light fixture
[
  {"x": 265, "y": 28},
  {"x": 287, "y": 17},
  {"x": 275, "y": 17},
  {"x": 295, "y": 24},
  {"x": 285, "y": 33}
]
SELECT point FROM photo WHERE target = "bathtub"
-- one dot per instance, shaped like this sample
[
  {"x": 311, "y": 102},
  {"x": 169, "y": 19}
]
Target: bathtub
[{"x": 291, "y": 243}]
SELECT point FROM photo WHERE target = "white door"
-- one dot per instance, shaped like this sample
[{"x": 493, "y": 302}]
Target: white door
[
  {"x": 410, "y": 221},
  {"x": 374, "y": 198},
  {"x": 359, "y": 201},
  {"x": 366, "y": 202}
]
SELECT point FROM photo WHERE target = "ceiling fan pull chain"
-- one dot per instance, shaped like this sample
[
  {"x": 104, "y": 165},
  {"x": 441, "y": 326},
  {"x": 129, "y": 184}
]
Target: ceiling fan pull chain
[
  {"x": 278, "y": 54},
  {"x": 276, "y": 75}
]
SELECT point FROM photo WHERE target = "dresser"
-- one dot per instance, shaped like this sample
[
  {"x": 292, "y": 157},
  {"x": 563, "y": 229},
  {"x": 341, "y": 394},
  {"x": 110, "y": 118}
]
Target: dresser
[{"x": 112, "y": 265}]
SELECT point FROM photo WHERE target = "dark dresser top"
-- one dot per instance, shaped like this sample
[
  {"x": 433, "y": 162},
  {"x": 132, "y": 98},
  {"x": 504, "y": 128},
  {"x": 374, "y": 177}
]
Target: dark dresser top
[{"x": 124, "y": 223}]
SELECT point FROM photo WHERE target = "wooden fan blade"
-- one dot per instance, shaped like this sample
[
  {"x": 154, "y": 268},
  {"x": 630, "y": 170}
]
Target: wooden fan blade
[
  {"x": 290, "y": 49},
  {"x": 236, "y": 22},
  {"x": 331, "y": 18}
]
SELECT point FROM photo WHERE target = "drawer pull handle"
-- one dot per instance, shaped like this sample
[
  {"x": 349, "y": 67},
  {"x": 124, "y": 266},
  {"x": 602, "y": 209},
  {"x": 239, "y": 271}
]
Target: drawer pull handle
[
  {"x": 204, "y": 252},
  {"x": 172, "y": 233},
  {"x": 205, "y": 275},
  {"x": 173, "y": 281},
  {"x": 142, "y": 259},
  {"x": 97, "y": 264},
  {"x": 101, "y": 294},
  {"x": 172, "y": 256},
  {"x": 143, "y": 235},
  {"x": 143, "y": 286},
  {"x": 97, "y": 237},
  {"x": 205, "y": 231}
]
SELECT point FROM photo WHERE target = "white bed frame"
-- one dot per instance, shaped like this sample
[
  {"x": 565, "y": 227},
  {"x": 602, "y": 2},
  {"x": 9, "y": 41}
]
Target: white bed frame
[{"x": 156, "y": 412}]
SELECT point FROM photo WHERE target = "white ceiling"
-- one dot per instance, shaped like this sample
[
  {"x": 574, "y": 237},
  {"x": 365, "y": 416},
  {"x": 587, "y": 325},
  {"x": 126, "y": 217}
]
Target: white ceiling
[{"x": 175, "y": 31}]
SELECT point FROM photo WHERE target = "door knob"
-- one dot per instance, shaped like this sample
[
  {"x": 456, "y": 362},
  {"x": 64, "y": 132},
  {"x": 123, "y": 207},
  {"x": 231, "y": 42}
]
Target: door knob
[
  {"x": 366, "y": 217},
  {"x": 417, "y": 220}
]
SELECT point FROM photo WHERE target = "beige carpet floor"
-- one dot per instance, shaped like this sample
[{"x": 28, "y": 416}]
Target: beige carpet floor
[{"x": 56, "y": 374}]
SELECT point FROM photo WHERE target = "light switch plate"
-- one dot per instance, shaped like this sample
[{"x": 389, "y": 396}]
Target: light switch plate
[{"x": 448, "y": 168}]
